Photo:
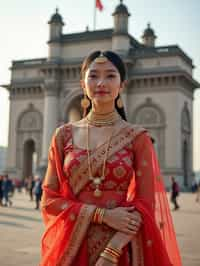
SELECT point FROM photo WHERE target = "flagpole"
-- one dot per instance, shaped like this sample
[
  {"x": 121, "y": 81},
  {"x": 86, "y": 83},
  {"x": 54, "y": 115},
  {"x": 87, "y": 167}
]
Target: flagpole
[{"x": 94, "y": 18}]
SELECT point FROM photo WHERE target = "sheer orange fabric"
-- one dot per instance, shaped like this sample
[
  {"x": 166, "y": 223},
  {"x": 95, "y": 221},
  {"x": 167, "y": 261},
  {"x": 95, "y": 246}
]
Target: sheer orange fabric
[
  {"x": 67, "y": 212},
  {"x": 63, "y": 215},
  {"x": 148, "y": 195}
]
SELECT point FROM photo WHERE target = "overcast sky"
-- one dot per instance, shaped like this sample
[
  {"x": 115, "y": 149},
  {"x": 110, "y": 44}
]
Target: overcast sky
[{"x": 24, "y": 33}]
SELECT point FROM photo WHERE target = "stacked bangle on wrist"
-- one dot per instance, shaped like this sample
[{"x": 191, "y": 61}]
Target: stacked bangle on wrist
[
  {"x": 98, "y": 216},
  {"x": 111, "y": 254}
]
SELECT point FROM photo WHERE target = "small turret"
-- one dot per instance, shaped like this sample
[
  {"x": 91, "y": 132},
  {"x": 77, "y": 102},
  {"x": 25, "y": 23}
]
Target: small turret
[
  {"x": 56, "y": 23},
  {"x": 55, "y": 32},
  {"x": 121, "y": 15},
  {"x": 120, "y": 38},
  {"x": 149, "y": 36}
]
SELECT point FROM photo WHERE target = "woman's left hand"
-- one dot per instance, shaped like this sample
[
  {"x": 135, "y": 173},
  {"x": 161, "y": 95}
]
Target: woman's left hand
[
  {"x": 136, "y": 222},
  {"x": 103, "y": 262}
]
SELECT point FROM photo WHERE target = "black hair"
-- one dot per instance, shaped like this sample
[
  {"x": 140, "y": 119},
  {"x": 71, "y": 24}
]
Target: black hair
[{"x": 117, "y": 62}]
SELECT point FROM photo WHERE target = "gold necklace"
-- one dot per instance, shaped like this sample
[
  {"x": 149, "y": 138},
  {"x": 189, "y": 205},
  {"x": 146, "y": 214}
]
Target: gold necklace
[
  {"x": 97, "y": 180},
  {"x": 107, "y": 119}
]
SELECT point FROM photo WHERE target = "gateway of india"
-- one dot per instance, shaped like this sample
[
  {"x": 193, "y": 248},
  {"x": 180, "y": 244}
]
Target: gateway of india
[{"x": 45, "y": 93}]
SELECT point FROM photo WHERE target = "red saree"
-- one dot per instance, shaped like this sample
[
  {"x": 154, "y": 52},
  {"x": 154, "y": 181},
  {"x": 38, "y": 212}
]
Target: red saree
[{"x": 132, "y": 178}]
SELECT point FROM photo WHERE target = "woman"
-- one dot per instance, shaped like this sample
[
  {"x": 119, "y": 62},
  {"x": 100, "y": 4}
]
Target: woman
[{"x": 104, "y": 202}]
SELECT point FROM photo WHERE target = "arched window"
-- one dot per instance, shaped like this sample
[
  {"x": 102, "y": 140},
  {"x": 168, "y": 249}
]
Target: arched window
[{"x": 150, "y": 116}]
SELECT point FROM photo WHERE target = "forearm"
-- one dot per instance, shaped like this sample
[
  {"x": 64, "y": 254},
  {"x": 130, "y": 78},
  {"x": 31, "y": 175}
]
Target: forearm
[
  {"x": 120, "y": 240},
  {"x": 54, "y": 206}
]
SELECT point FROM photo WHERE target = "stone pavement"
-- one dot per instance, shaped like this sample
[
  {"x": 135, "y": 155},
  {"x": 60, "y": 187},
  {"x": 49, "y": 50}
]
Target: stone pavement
[{"x": 21, "y": 229}]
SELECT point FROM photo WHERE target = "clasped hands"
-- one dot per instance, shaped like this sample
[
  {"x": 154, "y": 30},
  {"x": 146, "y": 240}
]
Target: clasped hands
[
  {"x": 123, "y": 219},
  {"x": 127, "y": 221}
]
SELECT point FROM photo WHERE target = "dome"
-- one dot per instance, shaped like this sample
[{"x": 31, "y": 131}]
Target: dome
[
  {"x": 56, "y": 18},
  {"x": 121, "y": 9},
  {"x": 149, "y": 32}
]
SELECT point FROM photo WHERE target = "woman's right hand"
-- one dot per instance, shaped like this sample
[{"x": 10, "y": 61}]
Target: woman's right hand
[{"x": 123, "y": 219}]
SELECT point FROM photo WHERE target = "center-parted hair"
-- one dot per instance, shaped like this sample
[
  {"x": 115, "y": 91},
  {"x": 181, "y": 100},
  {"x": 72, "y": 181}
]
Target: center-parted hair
[{"x": 116, "y": 61}]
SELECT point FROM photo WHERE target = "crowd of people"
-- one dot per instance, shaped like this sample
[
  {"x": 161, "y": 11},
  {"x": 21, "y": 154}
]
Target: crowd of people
[{"x": 32, "y": 186}]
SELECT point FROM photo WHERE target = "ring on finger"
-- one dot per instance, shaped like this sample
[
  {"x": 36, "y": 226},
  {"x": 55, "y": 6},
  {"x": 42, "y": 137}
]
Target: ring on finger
[{"x": 132, "y": 222}]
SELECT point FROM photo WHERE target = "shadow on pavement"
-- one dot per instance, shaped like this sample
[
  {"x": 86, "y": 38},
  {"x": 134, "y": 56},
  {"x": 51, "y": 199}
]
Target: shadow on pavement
[
  {"x": 22, "y": 217},
  {"x": 8, "y": 223},
  {"x": 196, "y": 213},
  {"x": 23, "y": 208}
]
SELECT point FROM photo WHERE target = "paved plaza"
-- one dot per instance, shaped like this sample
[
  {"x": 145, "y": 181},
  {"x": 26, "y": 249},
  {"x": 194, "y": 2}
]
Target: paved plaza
[{"x": 21, "y": 229}]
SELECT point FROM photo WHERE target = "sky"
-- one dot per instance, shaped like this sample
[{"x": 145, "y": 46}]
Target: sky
[{"x": 24, "y": 35}]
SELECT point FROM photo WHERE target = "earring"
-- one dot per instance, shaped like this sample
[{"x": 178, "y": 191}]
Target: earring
[
  {"x": 85, "y": 103},
  {"x": 119, "y": 102}
]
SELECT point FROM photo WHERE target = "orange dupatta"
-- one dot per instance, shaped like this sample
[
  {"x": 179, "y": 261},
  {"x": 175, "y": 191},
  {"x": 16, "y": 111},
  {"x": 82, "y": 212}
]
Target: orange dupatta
[
  {"x": 146, "y": 192},
  {"x": 65, "y": 218}
]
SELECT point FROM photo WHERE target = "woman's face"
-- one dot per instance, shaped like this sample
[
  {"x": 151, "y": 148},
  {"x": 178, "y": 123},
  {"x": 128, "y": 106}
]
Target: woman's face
[{"x": 102, "y": 82}]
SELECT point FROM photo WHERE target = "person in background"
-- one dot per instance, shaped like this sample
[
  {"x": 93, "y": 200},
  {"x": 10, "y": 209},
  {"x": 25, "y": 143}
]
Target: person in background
[
  {"x": 7, "y": 188},
  {"x": 1, "y": 190},
  {"x": 38, "y": 192},
  {"x": 30, "y": 186},
  {"x": 198, "y": 191},
  {"x": 174, "y": 193}
]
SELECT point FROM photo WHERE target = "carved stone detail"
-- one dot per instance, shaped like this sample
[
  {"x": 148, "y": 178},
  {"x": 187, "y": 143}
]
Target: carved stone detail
[
  {"x": 185, "y": 120},
  {"x": 50, "y": 88},
  {"x": 30, "y": 120},
  {"x": 148, "y": 116}
]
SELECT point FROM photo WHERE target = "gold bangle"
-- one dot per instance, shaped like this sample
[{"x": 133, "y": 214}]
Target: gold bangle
[
  {"x": 114, "y": 252},
  {"x": 98, "y": 216},
  {"x": 109, "y": 258},
  {"x": 95, "y": 216},
  {"x": 101, "y": 215}
]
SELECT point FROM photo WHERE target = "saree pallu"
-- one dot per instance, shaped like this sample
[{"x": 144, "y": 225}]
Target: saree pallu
[{"x": 68, "y": 202}]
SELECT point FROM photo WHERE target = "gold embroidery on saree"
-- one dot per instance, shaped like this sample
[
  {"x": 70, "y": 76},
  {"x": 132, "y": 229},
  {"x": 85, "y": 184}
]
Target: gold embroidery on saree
[
  {"x": 111, "y": 204},
  {"x": 119, "y": 171},
  {"x": 127, "y": 160},
  {"x": 110, "y": 185},
  {"x": 124, "y": 137},
  {"x": 98, "y": 237},
  {"x": 137, "y": 252},
  {"x": 77, "y": 235}
]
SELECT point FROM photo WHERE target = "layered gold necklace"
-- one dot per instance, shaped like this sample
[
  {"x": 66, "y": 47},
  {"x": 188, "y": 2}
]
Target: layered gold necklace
[
  {"x": 99, "y": 120},
  {"x": 98, "y": 180}
]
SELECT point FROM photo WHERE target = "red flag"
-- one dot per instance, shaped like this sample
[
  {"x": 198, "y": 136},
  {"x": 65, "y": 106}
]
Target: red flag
[{"x": 99, "y": 5}]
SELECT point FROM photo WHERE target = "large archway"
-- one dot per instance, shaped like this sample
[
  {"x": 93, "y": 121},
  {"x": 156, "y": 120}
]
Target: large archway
[
  {"x": 73, "y": 112},
  {"x": 29, "y": 161},
  {"x": 29, "y": 142}
]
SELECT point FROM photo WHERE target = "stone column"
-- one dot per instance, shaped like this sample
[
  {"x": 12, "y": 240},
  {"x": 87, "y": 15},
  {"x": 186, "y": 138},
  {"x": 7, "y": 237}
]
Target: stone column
[{"x": 50, "y": 117}]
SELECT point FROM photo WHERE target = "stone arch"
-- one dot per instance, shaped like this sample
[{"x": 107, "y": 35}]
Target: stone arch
[
  {"x": 72, "y": 106},
  {"x": 29, "y": 140},
  {"x": 28, "y": 153},
  {"x": 186, "y": 144},
  {"x": 152, "y": 117}
]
